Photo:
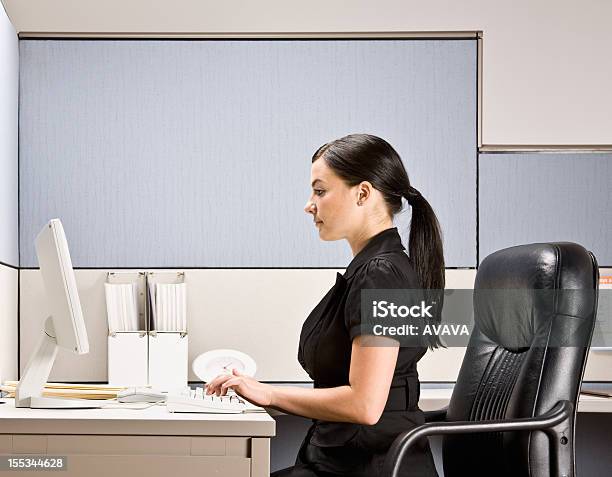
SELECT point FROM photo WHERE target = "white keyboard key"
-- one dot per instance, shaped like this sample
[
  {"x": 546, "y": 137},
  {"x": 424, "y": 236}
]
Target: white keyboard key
[{"x": 199, "y": 402}]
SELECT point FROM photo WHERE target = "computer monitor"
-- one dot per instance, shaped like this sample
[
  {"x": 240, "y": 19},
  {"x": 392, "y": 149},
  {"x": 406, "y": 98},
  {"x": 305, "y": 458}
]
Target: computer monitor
[{"x": 64, "y": 328}]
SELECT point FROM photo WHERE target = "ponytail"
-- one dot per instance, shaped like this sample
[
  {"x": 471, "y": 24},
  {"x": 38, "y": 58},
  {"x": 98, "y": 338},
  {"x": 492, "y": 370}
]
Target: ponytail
[
  {"x": 364, "y": 157},
  {"x": 426, "y": 252}
]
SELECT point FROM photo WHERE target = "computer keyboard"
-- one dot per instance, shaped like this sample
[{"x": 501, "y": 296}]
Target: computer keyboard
[{"x": 194, "y": 400}]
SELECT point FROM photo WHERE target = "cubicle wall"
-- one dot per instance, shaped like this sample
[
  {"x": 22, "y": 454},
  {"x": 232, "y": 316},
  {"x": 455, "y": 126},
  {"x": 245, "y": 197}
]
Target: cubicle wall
[
  {"x": 255, "y": 323},
  {"x": 542, "y": 197},
  {"x": 267, "y": 314},
  {"x": 9, "y": 81},
  {"x": 9, "y": 253},
  {"x": 525, "y": 198},
  {"x": 8, "y": 322},
  {"x": 197, "y": 153}
]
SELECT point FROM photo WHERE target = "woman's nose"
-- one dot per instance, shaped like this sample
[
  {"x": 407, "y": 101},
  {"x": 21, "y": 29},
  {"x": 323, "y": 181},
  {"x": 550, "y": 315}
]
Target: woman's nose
[{"x": 310, "y": 207}]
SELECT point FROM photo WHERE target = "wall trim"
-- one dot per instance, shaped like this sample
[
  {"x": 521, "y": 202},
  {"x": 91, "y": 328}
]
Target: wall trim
[
  {"x": 14, "y": 267},
  {"x": 341, "y": 267},
  {"x": 548, "y": 148},
  {"x": 416, "y": 35}
]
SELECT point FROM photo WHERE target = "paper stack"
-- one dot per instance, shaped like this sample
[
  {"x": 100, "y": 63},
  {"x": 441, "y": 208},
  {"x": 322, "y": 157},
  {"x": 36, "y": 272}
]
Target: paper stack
[
  {"x": 169, "y": 306},
  {"x": 121, "y": 306},
  {"x": 82, "y": 391}
]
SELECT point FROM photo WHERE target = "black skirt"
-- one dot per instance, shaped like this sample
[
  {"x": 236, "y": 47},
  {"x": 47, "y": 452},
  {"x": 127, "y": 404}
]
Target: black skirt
[{"x": 359, "y": 456}]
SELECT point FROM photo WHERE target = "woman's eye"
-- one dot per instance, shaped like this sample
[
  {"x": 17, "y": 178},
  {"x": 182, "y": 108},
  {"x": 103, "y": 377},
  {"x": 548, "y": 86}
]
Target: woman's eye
[{"x": 318, "y": 192}]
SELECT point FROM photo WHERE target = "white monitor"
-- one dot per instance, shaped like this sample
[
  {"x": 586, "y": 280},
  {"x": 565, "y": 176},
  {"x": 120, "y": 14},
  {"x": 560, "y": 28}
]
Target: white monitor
[{"x": 64, "y": 328}]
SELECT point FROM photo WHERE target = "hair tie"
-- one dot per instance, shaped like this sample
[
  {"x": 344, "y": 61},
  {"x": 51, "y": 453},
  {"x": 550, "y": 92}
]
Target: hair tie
[{"x": 412, "y": 195}]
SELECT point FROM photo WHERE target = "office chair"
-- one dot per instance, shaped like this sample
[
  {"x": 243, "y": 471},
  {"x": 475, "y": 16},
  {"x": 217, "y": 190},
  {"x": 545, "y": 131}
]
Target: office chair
[{"x": 513, "y": 408}]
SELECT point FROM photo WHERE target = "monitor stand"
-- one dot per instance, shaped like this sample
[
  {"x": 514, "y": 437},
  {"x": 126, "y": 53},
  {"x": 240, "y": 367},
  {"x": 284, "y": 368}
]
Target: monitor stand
[{"x": 29, "y": 391}]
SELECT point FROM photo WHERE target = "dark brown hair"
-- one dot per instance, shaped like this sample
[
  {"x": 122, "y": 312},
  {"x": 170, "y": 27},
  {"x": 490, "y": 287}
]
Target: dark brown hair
[{"x": 363, "y": 157}]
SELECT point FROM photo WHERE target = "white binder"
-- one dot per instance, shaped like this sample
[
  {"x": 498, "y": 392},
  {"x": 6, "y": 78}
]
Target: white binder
[
  {"x": 168, "y": 360},
  {"x": 167, "y": 325},
  {"x": 127, "y": 348},
  {"x": 127, "y": 359}
]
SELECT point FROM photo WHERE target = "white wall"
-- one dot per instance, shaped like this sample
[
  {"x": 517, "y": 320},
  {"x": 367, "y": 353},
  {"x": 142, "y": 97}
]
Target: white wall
[
  {"x": 546, "y": 63},
  {"x": 9, "y": 70},
  {"x": 8, "y": 323},
  {"x": 9, "y": 74}
]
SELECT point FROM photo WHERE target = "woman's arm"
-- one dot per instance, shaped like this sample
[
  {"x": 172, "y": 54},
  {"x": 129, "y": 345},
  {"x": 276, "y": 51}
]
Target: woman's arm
[{"x": 362, "y": 401}]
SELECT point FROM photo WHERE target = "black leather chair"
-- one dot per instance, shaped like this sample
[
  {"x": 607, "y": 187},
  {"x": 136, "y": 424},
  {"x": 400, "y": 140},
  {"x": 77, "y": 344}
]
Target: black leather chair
[{"x": 513, "y": 408}]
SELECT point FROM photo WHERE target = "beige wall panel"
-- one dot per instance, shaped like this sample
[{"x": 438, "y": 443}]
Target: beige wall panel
[
  {"x": 460, "y": 279},
  {"x": 599, "y": 366},
  {"x": 34, "y": 310},
  {"x": 443, "y": 364},
  {"x": 546, "y": 64},
  {"x": 8, "y": 323},
  {"x": 250, "y": 310},
  {"x": 259, "y": 312}
]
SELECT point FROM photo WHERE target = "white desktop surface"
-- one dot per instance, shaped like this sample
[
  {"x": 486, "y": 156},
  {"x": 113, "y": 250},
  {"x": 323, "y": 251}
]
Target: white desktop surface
[
  {"x": 154, "y": 420},
  {"x": 437, "y": 398},
  {"x": 260, "y": 424}
]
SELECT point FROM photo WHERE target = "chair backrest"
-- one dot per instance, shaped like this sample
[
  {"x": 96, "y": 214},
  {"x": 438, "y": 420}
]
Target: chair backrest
[{"x": 534, "y": 313}]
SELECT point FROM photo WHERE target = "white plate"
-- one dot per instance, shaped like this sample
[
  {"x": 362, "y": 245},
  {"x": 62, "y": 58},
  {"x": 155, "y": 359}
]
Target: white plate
[{"x": 221, "y": 361}]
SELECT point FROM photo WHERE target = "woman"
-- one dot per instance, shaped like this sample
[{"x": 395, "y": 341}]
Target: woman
[{"x": 363, "y": 396}]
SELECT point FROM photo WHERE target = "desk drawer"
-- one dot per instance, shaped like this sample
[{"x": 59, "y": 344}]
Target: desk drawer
[
  {"x": 150, "y": 466},
  {"x": 118, "y": 456},
  {"x": 148, "y": 445}
]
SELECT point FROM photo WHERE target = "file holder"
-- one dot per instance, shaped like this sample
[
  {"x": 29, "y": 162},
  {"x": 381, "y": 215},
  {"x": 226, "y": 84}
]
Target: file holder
[
  {"x": 168, "y": 349},
  {"x": 128, "y": 350}
]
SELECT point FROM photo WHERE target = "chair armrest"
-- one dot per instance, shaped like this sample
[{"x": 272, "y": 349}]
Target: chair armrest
[
  {"x": 438, "y": 415},
  {"x": 553, "y": 422}
]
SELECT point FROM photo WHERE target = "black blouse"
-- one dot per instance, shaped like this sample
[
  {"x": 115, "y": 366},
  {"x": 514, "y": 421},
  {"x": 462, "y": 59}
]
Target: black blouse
[{"x": 327, "y": 334}]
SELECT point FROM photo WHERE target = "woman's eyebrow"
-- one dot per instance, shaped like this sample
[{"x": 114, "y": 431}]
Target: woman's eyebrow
[{"x": 317, "y": 180}]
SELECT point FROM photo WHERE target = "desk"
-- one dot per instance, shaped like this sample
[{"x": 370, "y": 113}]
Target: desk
[
  {"x": 437, "y": 398},
  {"x": 151, "y": 442}
]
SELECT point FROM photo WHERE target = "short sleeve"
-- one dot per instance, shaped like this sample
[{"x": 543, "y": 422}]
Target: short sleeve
[{"x": 378, "y": 274}]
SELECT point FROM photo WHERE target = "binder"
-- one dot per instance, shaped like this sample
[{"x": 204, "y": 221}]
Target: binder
[
  {"x": 127, "y": 342},
  {"x": 167, "y": 330}
]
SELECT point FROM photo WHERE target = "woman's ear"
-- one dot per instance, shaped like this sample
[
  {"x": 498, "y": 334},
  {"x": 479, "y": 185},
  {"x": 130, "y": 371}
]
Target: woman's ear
[{"x": 364, "y": 191}]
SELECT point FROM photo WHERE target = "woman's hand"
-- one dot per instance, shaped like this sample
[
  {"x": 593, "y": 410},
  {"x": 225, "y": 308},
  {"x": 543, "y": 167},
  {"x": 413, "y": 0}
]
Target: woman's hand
[{"x": 245, "y": 386}]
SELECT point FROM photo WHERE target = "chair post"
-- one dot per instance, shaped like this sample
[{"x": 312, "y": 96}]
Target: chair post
[{"x": 561, "y": 438}]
